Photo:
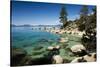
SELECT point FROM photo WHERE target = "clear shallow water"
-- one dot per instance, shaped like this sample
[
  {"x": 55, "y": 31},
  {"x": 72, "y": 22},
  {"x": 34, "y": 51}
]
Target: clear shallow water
[
  {"x": 26, "y": 37},
  {"x": 30, "y": 40}
]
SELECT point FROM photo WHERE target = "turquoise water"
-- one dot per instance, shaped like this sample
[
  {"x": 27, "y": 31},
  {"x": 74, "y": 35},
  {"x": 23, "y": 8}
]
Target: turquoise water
[{"x": 27, "y": 37}]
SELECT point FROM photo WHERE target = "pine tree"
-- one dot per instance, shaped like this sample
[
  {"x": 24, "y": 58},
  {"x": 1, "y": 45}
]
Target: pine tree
[
  {"x": 83, "y": 17},
  {"x": 90, "y": 32},
  {"x": 63, "y": 17}
]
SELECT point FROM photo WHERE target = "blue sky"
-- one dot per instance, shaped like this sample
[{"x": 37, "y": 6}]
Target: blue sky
[{"x": 37, "y": 13}]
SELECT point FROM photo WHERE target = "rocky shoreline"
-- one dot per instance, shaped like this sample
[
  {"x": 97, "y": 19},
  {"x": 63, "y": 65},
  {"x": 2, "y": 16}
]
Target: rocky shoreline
[{"x": 54, "y": 54}]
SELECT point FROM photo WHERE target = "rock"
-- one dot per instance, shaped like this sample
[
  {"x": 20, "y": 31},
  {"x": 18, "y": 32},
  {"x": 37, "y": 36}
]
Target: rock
[
  {"x": 53, "y": 50},
  {"x": 54, "y": 47},
  {"x": 78, "y": 47},
  {"x": 91, "y": 57},
  {"x": 50, "y": 48},
  {"x": 17, "y": 55},
  {"x": 57, "y": 47},
  {"x": 79, "y": 59},
  {"x": 79, "y": 50},
  {"x": 57, "y": 59},
  {"x": 62, "y": 40},
  {"x": 42, "y": 40},
  {"x": 40, "y": 61},
  {"x": 37, "y": 47}
]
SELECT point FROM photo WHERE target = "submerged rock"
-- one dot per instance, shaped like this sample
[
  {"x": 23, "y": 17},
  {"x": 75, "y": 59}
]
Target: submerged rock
[
  {"x": 53, "y": 47},
  {"x": 37, "y": 47},
  {"x": 53, "y": 50},
  {"x": 40, "y": 61},
  {"x": 62, "y": 40},
  {"x": 17, "y": 55},
  {"x": 42, "y": 40},
  {"x": 50, "y": 48}
]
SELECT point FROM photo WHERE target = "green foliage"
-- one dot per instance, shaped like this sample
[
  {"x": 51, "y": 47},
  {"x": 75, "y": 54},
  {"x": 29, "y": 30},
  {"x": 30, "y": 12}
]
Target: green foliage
[
  {"x": 84, "y": 11},
  {"x": 63, "y": 17},
  {"x": 90, "y": 29},
  {"x": 83, "y": 18}
]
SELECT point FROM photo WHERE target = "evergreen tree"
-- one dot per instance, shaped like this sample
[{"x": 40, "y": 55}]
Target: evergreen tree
[
  {"x": 84, "y": 11},
  {"x": 83, "y": 17},
  {"x": 63, "y": 17},
  {"x": 90, "y": 32}
]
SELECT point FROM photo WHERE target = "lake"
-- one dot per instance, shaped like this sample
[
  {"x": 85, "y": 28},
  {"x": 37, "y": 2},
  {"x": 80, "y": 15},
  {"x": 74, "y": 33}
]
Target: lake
[{"x": 25, "y": 37}]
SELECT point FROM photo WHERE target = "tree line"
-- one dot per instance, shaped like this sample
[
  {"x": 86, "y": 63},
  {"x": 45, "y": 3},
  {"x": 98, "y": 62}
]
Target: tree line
[{"x": 86, "y": 22}]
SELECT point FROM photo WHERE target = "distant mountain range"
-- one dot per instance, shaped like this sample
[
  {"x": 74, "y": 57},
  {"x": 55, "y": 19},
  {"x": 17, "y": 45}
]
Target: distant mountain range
[{"x": 28, "y": 25}]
